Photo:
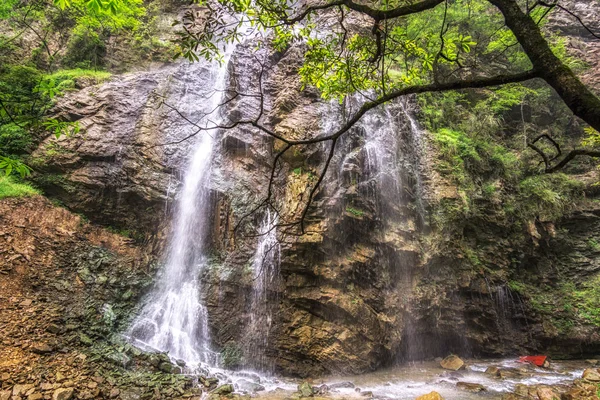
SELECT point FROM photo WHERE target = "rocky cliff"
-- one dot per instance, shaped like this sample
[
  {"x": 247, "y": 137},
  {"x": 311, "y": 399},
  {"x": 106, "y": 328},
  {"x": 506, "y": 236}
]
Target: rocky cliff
[{"x": 371, "y": 284}]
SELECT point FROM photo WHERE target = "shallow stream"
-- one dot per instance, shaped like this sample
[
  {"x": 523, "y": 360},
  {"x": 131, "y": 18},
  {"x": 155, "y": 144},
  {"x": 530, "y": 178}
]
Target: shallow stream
[{"x": 415, "y": 379}]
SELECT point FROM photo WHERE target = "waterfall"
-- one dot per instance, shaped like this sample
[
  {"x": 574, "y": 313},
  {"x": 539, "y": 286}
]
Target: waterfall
[
  {"x": 173, "y": 318},
  {"x": 265, "y": 269}
]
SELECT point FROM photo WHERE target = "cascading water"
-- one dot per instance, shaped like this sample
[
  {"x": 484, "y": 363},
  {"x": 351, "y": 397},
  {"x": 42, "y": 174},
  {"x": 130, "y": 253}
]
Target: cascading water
[
  {"x": 265, "y": 268},
  {"x": 173, "y": 318}
]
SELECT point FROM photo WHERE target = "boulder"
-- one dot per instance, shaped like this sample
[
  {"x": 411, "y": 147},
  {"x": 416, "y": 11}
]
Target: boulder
[
  {"x": 471, "y": 387},
  {"x": 430, "y": 396},
  {"x": 592, "y": 375},
  {"x": 453, "y": 363},
  {"x": 305, "y": 389},
  {"x": 223, "y": 390},
  {"x": 63, "y": 394}
]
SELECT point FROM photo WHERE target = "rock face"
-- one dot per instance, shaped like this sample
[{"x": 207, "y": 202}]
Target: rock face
[{"x": 357, "y": 292}]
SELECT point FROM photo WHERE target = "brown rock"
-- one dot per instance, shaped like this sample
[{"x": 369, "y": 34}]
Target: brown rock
[
  {"x": 114, "y": 393},
  {"x": 546, "y": 393},
  {"x": 35, "y": 396},
  {"x": 60, "y": 377},
  {"x": 5, "y": 395},
  {"x": 591, "y": 375},
  {"x": 41, "y": 348},
  {"x": 493, "y": 371},
  {"x": 21, "y": 390},
  {"x": 471, "y": 387},
  {"x": 430, "y": 396},
  {"x": 63, "y": 394},
  {"x": 453, "y": 363}
]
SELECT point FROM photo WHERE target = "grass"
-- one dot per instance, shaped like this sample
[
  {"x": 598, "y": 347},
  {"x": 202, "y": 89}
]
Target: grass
[
  {"x": 10, "y": 188},
  {"x": 66, "y": 79}
]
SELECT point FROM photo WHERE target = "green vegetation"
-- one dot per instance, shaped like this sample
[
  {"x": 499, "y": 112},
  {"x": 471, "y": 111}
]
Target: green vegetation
[
  {"x": 566, "y": 305},
  {"x": 355, "y": 212},
  {"x": 66, "y": 49},
  {"x": 9, "y": 187}
]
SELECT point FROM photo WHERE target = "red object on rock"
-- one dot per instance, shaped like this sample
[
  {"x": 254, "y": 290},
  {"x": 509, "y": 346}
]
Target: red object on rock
[{"x": 536, "y": 360}]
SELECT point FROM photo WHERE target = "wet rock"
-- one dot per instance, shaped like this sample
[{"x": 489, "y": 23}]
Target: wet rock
[
  {"x": 63, "y": 394},
  {"x": 223, "y": 390},
  {"x": 592, "y": 362},
  {"x": 181, "y": 363},
  {"x": 546, "y": 393},
  {"x": 209, "y": 382},
  {"x": 510, "y": 373},
  {"x": 305, "y": 389},
  {"x": 41, "y": 348},
  {"x": 471, "y": 387},
  {"x": 493, "y": 371},
  {"x": 453, "y": 363},
  {"x": 592, "y": 375},
  {"x": 430, "y": 396},
  {"x": 249, "y": 386},
  {"x": 321, "y": 390},
  {"x": 342, "y": 385},
  {"x": 366, "y": 393},
  {"x": 453, "y": 376}
]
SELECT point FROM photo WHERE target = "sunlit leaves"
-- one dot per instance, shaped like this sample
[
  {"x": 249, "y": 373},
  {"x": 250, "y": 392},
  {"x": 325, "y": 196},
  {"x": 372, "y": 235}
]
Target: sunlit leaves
[
  {"x": 47, "y": 88},
  {"x": 592, "y": 138},
  {"x": 10, "y": 165},
  {"x": 59, "y": 128}
]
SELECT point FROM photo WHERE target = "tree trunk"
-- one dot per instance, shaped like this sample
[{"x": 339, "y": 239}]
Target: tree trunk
[{"x": 549, "y": 67}]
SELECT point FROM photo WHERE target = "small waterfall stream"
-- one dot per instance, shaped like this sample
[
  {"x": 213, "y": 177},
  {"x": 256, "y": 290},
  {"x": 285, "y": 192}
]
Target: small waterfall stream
[{"x": 265, "y": 270}]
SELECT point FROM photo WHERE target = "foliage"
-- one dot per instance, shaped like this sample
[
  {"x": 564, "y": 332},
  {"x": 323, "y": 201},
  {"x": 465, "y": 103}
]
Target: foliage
[
  {"x": 9, "y": 187},
  {"x": 355, "y": 212}
]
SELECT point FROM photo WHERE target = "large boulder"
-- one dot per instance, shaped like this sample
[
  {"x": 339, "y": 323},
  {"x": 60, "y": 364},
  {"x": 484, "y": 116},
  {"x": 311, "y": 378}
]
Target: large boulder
[
  {"x": 592, "y": 375},
  {"x": 453, "y": 363}
]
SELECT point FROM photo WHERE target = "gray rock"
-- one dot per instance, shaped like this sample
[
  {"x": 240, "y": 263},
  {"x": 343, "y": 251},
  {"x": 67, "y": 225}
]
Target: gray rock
[
  {"x": 341, "y": 385},
  {"x": 249, "y": 386}
]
